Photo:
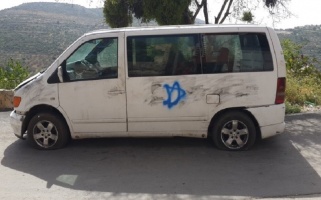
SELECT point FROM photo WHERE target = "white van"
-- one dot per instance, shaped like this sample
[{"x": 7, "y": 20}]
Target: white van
[{"x": 223, "y": 82}]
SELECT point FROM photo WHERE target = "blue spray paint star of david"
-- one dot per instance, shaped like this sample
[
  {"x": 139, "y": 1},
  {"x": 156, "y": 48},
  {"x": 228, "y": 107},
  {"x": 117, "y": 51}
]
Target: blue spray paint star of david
[{"x": 181, "y": 94}]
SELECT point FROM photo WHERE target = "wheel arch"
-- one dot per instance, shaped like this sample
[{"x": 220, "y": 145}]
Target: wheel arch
[
  {"x": 241, "y": 109},
  {"x": 42, "y": 108}
]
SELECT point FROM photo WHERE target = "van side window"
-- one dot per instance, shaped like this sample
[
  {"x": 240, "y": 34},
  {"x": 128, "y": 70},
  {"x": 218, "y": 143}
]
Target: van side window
[
  {"x": 164, "y": 55},
  {"x": 95, "y": 59},
  {"x": 248, "y": 52}
]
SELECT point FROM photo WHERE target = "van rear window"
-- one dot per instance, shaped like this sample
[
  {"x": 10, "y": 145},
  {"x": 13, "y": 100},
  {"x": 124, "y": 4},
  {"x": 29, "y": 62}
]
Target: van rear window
[
  {"x": 168, "y": 55},
  {"x": 236, "y": 53}
]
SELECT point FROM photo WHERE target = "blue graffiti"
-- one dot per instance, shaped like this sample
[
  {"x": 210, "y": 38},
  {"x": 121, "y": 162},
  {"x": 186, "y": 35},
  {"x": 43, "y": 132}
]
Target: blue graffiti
[{"x": 171, "y": 101}]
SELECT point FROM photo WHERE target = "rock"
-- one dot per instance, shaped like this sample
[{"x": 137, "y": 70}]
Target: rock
[{"x": 6, "y": 98}]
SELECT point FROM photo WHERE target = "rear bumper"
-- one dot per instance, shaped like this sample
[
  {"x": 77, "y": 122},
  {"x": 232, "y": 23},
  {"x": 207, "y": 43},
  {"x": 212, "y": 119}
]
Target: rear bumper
[
  {"x": 271, "y": 130},
  {"x": 16, "y": 121},
  {"x": 270, "y": 119}
]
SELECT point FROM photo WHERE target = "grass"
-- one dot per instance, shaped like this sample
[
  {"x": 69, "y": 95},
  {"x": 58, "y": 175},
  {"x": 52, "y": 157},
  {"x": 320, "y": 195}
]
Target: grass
[{"x": 300, "y": 91}]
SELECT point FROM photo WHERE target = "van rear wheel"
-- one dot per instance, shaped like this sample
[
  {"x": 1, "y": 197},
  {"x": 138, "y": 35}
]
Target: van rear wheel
[
  {"x": 233, "y": 130},
  {"x": 47, "y": 131}
]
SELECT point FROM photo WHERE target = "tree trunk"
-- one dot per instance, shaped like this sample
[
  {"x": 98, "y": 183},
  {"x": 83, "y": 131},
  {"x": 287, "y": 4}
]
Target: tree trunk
[{"x": 205, "y": 12}]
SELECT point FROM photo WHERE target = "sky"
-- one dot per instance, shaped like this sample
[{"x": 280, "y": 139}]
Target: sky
[{"x": 305, "y": 12}]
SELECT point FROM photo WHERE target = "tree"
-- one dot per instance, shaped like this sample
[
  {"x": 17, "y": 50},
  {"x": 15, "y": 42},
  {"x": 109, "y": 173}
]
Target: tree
[
  {"x": 240, "y": 9},
  {"x": 298, "y": 64},
  {"x": 116, "y": 13},
  {"x": 164, "y": 12},
  {"x": 167, "y": 11},
  {"x": 119, "y": 13}
]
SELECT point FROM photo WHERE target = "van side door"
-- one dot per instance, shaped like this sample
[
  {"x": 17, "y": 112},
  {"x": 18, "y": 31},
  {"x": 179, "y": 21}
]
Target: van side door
[{"x": 164, "y": 85}]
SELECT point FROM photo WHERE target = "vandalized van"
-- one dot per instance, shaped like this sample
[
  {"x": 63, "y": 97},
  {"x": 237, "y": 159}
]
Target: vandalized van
[{"x": 222, "y": 82}]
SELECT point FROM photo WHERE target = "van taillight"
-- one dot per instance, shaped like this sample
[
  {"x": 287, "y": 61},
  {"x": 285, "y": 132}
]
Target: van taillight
[{"x": 280, "y": 91}]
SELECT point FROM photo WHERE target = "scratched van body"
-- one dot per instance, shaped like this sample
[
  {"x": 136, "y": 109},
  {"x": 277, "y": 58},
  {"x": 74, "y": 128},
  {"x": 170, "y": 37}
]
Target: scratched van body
[{"x": 225, "y": 83}]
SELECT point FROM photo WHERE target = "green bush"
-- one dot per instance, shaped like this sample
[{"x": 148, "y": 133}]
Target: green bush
[
  {"x": 303, "y": 78},
  {"x": 290, "y": 109},
  {"x": 12, "y": 74},
  {"x": 302, "y": 89}
]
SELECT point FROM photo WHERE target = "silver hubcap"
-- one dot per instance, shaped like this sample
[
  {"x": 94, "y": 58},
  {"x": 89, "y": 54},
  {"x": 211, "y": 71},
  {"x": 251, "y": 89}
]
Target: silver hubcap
[
  {"x": 234, "y": 134},
  {"x": 45, "y": 134}
]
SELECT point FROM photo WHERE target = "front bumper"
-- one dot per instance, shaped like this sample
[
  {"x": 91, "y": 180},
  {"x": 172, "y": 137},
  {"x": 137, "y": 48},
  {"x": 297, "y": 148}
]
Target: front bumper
[{"x": 16, "y": 121}]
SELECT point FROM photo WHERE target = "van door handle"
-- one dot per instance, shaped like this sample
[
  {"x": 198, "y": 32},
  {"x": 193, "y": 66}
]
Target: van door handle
[{"x": 113, "y": 92}]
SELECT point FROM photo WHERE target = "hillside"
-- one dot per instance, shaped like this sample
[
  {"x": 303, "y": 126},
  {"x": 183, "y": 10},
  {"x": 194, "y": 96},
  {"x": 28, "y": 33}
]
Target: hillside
[
  {"x": 308, "y": 36},
  {"x": 36, "y": 33}
]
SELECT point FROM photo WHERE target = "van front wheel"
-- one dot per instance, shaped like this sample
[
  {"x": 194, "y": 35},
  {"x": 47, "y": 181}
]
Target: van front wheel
[
  {"x": 47, "y": 131},
  {"x": 234, "y": 130}
]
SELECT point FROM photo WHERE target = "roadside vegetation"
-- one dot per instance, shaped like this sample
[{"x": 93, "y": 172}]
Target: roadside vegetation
[
  {"x": 303, "y": 79},
  {"x": 12, "y": 74}
]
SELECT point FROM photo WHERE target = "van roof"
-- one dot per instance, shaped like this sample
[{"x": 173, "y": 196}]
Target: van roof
[{"x": 172, "y": 27}]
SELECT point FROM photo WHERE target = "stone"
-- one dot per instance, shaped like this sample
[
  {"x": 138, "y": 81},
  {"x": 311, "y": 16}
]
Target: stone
[{"x": 6, "y": 99}]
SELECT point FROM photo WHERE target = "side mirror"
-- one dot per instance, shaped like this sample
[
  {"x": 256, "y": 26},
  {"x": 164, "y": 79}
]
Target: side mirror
[{"x": 60, "y": 74}]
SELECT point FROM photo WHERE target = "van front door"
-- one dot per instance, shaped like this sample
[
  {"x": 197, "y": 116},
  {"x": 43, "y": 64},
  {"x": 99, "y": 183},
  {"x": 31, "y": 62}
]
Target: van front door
[{"x": 93, "y": 92}]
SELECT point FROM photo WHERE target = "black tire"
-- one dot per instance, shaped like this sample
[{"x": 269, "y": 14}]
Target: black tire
[
  {"x": 234, "y": 131},
  {"x": 47, "y": 131}
]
